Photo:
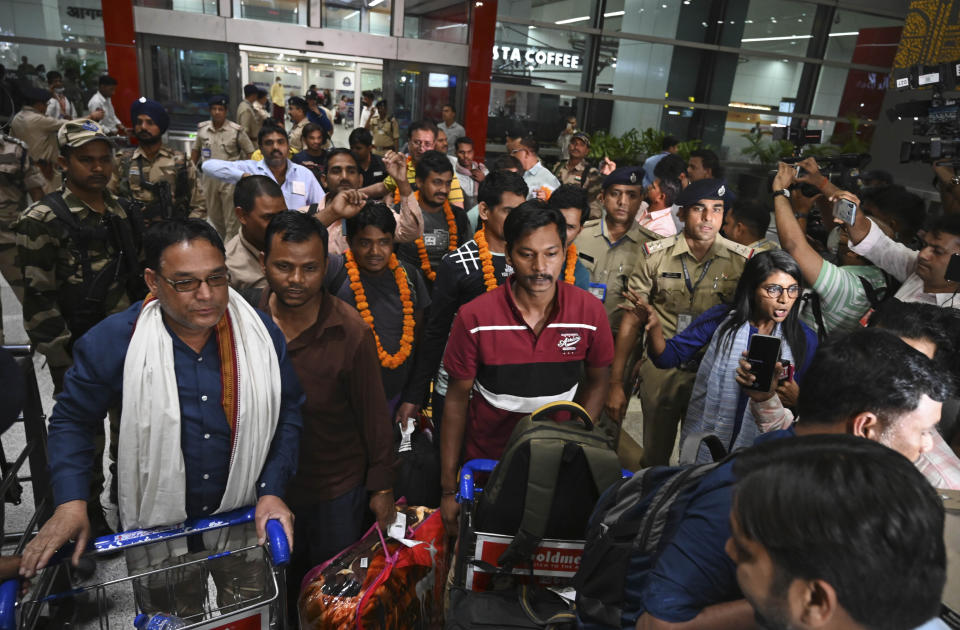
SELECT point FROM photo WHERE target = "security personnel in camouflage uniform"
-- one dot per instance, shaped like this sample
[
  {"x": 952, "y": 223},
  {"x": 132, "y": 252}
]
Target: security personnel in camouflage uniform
[
  {"x": 681, "y": 277},
  {"x": 18, "y": 176},
  {"x": 610, "y": 247},
  {"x": 79, "y": 248},
  {"x": 161, "y": 178},
  {"x": 220, "y": 139},
  {"x": 575, "y": 170}
]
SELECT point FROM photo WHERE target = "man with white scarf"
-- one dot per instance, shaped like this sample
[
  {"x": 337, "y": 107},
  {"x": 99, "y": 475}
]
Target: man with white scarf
[{"x": 198, "y": 435}]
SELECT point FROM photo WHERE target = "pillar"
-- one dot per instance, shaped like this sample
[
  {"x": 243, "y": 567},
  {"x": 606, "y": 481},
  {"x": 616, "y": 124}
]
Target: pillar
[
  {"x": 477, "y": 103},
  {"x": 118, "y": 31}
]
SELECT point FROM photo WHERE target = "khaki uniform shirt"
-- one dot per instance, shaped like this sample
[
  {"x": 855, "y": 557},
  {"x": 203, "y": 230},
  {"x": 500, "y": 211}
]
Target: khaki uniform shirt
[
  {"x": 39, "y": 132},
  {"x": 243, "y": 261},
  {"x": 248, "y": 119},
  {"x": 610, "y": 264},
  {"x": 229, "y": 142},
  {"x": 659, "y": 278},
  {"x": 763, "y": 245},
  {"x": 18, "y": 175},
  {"x": 48, "y": 261},
  {"x": 296, "y": 135},
  {"x": 386, "y": 134},
  {"x": 588, "y": 178},
  {"x": 126, "y": 179}
]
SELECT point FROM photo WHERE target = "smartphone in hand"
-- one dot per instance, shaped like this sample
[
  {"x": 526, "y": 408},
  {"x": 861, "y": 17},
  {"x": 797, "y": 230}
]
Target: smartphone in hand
[
  {"x": 762, "y": 354},
  {"x": 845, "y": 210}
]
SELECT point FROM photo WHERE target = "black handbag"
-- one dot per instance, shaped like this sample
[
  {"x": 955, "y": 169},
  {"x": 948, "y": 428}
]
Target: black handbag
[{"x": 418, "y": 467}]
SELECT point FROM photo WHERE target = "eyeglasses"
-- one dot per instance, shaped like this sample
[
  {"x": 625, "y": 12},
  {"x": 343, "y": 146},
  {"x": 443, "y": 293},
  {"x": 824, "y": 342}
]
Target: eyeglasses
[
  {"x": 422, "y": 144},
  {"x": 774, "y": 290},
  {"x": 192, "y": 284},
  {"x": 515, "y": 151}
]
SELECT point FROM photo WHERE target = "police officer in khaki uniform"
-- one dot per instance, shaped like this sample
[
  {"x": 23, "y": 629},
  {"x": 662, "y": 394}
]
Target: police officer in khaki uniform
[
  {"x": 297, "y": 109},
  {"x": 575, "y": 170},
  {"x": 610, "y": 247},
  {"x": 220, "y": 139},
  {"x": 163, "y": 179},
  {"x": 248, "y": 116},
  {"x": 681, "y": 277}
]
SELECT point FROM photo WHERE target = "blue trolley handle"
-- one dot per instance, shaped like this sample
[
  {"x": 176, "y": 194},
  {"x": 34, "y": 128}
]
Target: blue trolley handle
[
  {"x": 468, "y": 474},
  {"x": 8, "y": 604}
]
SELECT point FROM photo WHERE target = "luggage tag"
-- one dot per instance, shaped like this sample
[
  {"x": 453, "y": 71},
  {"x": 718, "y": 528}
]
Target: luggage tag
[
  {"x": 398, "y": 531},
  {"x": 599, "y": 291},
  {"x": 207, "y": 153},
  {"x": 683, "y": 320}
]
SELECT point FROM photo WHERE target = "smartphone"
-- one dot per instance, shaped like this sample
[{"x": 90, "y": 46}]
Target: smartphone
[
  {"x": 762, "y": 355},
  {"x": 845, "y": 210},
  {"x": 953, "y": 269}
]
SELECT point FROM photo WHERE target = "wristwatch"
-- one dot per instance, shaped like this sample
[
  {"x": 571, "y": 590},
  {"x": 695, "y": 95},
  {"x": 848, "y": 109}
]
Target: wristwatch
[{"x": 784, "y": 192}]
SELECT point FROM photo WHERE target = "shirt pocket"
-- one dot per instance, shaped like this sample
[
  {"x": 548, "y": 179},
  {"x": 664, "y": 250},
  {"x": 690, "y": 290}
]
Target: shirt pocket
[{"x": 672, "y": 294}]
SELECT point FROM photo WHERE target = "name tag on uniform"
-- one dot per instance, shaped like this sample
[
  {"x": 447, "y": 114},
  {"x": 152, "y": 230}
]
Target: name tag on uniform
[
  {"x": 206, "y": 153},
  {"x": 134, "y": 171},
  {"x": 670, "y": 274},
  {"x": 599, "y": 291},
  {"x": 683, "y": 320},
  {"x": 377, "y": 173},
  {"x": 299, "y": 188}
]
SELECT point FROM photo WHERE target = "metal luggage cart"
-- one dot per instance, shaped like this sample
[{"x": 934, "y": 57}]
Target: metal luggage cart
[
  {"x": 555, "y": 561},
  {"x": 263, "y": 611}
]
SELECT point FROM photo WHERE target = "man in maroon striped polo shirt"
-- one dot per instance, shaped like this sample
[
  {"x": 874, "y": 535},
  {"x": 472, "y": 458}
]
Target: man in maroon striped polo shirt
[{"x": 519, "y": 347}]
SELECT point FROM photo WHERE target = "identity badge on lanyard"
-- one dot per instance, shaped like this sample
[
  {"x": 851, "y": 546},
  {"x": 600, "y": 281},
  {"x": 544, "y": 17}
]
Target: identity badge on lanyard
[{"x": 685, "y": 319}]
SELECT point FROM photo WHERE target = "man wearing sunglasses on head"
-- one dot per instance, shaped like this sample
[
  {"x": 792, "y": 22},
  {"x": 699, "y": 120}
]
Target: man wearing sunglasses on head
[{"x": 210, "y": 419}]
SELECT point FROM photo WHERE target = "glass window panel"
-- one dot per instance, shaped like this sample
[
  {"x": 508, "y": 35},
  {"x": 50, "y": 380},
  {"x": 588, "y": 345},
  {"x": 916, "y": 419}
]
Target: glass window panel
[
  {"x": 630, "y": 68},
  {"x": 778, "y": 26},
  {"x": 738, "y": 125},
  {"x": 208, "y": 7},
  {"x": 579, "y": 12},
  {"x": 529, "y": 55},
  {"x": 368, "y": 16},
  {"x": 289, "y": 11},
  {"x": 59, "y": 20},
  {"x": 439, "y": 20},
  {"x": 543, "y": 115},
  {"x": 860, "y": 38},
  {"x": 184, "y": 80}
]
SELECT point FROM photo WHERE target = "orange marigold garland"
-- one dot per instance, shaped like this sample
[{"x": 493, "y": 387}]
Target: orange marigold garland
[
  {"x": 571, "y": 265},
  {"x": 422, "y": 248},
  {"x": 486, "y": 260},
  {"x": 387, "y": 360}
]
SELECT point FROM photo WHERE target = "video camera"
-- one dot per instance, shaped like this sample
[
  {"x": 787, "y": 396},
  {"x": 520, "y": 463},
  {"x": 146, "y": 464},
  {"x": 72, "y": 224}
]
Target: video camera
[
  {"x": 842, "y": 170},
  {"x": 936, "y": 121}
]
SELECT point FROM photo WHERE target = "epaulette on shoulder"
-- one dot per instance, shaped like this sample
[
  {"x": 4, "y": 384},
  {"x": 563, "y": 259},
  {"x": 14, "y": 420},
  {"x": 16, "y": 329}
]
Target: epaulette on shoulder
[
  {"x": 205, "y": 123},
  {"x": 591, "y": 223},
  {"x": 651, "y": 247},
  {"x": 737, "y": 248},
  {"x": 39, "y": 211}
]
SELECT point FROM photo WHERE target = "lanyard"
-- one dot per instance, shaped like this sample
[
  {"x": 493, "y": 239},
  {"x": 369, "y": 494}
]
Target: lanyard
[{"x": 686, "y": 275}]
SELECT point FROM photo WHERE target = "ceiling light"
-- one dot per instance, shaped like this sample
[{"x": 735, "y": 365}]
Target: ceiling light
[
  {"x": 775, "y": 39},
  {"x": 572, "y": 20},
  {"x": 374, "y": 3},
  {"x": 613, "y": 14},
  {"x": 350, "y": 16}
]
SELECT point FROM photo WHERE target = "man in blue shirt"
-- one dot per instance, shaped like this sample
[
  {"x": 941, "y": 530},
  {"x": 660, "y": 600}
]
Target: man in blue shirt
[
  {"x": 300, "y": 187},
  {"x": 869, "y": 384},
  {"x": 225, "y": 434},
  {"x": 669, "y": 146}
]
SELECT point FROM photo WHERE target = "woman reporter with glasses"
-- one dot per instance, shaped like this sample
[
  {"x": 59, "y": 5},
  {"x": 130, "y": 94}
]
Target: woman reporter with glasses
[{"x": 765, "y": 303}]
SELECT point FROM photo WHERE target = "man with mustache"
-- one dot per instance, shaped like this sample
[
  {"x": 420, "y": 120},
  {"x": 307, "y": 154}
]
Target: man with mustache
[
  {"x": 79, "y": 258},
  {"x": 519, "y": 347},
  {"x": 299, "y": 186},
  {"x": 155, "y": 174}
]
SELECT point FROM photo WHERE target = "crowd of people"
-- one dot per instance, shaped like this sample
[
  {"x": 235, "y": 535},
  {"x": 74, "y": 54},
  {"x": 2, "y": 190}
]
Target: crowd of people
[{"x": 257, "y": 317}]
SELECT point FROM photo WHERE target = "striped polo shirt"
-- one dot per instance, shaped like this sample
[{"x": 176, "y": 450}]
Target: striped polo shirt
[{"x": 514, "y": 371}]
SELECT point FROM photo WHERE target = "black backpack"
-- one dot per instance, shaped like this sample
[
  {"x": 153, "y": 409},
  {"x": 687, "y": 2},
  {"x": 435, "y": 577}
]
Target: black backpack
[{"x": 631, "y": 524}]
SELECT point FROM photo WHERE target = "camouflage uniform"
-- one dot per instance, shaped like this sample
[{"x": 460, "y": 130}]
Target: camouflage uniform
[
  {"x": 587, "y": 177},
  {"x": 136, "y": 177},
  {"x": 53, "y": 276},
  {"x": 229, "y": 142},
  {"x": 18, "y": 174}
]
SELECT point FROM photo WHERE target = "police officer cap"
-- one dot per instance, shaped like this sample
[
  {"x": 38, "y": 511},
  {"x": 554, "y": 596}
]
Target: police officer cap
[
  {"x": 296, "y": 101},
  {"x": 152, "y": 109},
  {"x": 701, "y": 189},
  {"x": 33, "y": 95},
  {"x": 218, "y": 99},
  {"x": 625, "y": 175}
]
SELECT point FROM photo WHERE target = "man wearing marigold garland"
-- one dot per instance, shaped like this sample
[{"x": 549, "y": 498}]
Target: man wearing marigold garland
[
  {"x": 519, "y": 347},
  {"x": 346, "y": 452},
  {"x": 477, "y": 266},
  {"x": 445, "y": 226},
  {"x": 394, "y": 292},
  {"x": 574, "y": 204}
]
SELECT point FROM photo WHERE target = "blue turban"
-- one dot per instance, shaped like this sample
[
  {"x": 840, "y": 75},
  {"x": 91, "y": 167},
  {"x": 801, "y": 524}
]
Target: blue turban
[{"x": 152, "y": 109}]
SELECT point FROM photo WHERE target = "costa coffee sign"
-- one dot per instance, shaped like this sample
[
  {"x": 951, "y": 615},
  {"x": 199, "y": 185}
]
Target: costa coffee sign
[{"x": 536, "y": 56}]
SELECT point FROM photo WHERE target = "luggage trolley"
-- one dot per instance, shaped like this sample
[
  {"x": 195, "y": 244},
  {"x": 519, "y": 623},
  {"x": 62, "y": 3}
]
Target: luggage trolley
[
  {"x": 266, "y": 610},
  {"x": 556, "y": 558}
]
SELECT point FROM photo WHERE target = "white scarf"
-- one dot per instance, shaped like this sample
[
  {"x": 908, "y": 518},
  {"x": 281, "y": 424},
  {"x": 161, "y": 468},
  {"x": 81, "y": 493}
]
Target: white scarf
[{"x": 151, "y": 473}]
